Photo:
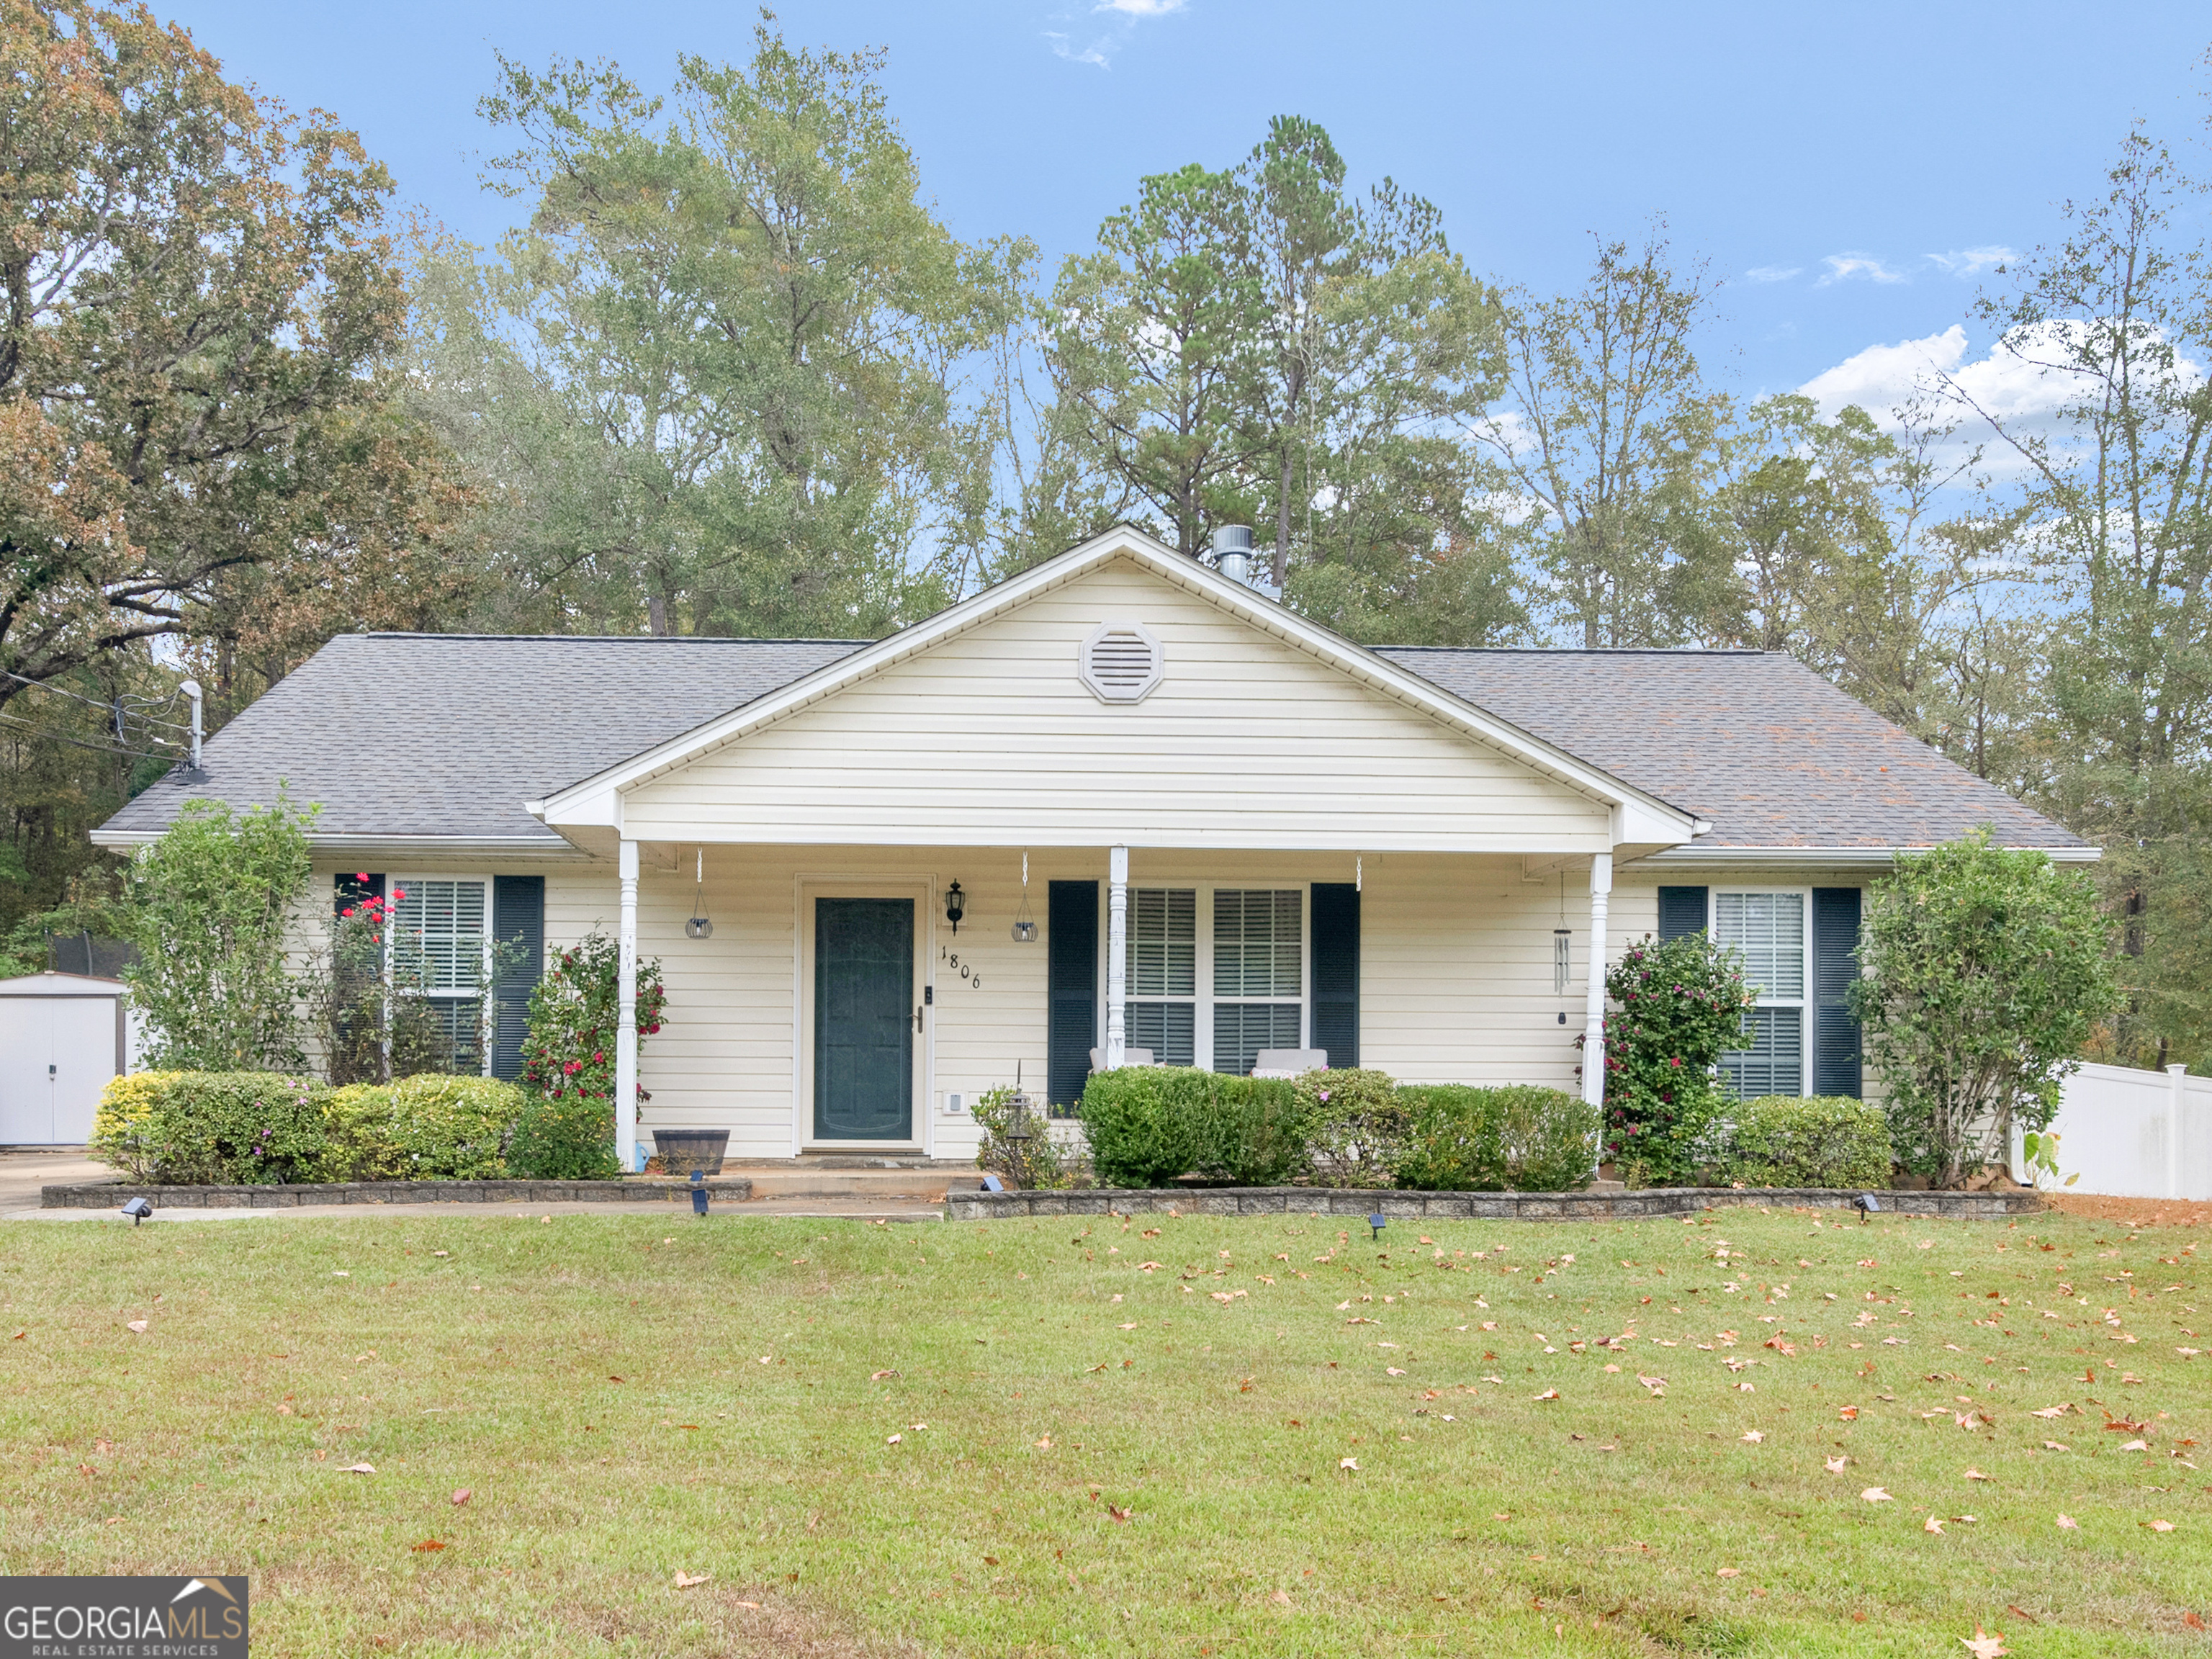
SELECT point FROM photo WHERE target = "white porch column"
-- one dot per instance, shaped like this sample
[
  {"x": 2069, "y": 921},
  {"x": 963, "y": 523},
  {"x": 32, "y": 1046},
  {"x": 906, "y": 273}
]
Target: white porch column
[
  {"x": 626, "y": 1016},
  {"x": 1117, "y": 955},
  {"x": 1594, "y": 1017}
]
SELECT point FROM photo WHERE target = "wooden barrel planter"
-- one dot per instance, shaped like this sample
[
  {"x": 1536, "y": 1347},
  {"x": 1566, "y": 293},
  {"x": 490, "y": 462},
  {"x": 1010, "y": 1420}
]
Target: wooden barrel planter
[{"x": 682, "y": 1151}]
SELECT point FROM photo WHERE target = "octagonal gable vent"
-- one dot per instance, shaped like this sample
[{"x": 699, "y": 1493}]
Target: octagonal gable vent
[{"x": 1122, "y": 662}]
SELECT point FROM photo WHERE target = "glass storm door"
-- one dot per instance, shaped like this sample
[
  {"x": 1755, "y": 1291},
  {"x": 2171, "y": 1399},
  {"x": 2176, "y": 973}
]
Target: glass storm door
[{"x": 864, "y": 1017}]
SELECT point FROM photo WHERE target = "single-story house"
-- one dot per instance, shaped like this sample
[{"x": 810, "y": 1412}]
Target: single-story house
[{"x": 1120, "y": 802}]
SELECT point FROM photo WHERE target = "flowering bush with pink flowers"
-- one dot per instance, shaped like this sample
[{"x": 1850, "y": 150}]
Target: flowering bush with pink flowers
[
  {"x": 1677, "y": 1007},
  {"x": 568, "y": 1131}
]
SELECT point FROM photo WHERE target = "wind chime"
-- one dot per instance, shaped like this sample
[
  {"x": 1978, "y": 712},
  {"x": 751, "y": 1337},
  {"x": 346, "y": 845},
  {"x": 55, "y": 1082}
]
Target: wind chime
[{"x": 1563, "y": 962}]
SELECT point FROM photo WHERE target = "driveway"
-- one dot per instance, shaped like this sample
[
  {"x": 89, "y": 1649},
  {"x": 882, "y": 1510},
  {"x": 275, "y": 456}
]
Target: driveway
[{"x": 22, "y": 1174}]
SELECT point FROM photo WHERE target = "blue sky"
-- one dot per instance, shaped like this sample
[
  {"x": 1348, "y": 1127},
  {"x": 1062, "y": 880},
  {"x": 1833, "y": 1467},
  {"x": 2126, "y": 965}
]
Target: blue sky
[{"x": 1850, "y": 170}]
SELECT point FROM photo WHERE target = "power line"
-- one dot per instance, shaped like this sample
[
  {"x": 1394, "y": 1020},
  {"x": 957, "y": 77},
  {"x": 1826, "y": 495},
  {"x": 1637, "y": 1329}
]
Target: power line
[
  {"x": 105, "y": 707},
  {"x": 25, "y": 725}
]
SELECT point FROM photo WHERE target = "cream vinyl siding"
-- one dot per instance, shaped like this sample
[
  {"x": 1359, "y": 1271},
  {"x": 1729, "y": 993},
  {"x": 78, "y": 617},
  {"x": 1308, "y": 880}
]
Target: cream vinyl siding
[{"x": 1247, "y": 742}]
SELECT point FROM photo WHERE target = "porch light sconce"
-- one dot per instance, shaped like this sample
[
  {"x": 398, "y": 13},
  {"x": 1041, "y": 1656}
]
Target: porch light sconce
[
  {"x": 1024, "y": 923},
  {"x": 955, "y": 905},
  {"x": 701, "y": 926}
]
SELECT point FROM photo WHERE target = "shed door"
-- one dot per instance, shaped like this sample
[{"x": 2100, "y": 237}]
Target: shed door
[
  {"x": 57, "y": 1053},
  {"x": 864, "y": 1018}
]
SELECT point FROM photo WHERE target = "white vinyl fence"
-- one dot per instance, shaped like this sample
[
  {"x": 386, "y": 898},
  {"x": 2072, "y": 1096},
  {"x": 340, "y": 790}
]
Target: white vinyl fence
[{"x": 2134, "y": 1134}]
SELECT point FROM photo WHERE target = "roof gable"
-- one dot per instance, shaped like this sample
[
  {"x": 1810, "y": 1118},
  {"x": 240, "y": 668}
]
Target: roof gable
[{"x": 594, "y": 806}]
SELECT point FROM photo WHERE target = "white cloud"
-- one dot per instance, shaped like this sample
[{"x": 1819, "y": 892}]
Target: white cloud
[
  {"x": 1971, "y": 262},
  {"x": 1883, "y": 377},
  {"x": 2023, "y": 383},
  {"x": 1773, "y": 273},
  {"x": 1843, "y": 266},
  {"x": 1093, "y": 53},
  {"x": 1121, "y": 19}
]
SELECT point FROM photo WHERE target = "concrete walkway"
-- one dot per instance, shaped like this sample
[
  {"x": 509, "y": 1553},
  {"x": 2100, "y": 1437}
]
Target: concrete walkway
[{"x": 22, "y": 1174}]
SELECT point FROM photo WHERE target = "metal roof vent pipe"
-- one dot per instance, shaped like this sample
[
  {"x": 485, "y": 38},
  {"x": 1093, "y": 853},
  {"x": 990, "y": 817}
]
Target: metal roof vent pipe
[{"x": 1232, "y": 552}]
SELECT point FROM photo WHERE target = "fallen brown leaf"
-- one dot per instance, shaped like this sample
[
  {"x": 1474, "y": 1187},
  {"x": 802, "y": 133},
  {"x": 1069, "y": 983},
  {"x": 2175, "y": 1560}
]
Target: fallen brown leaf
[
  {"x": 690, "y": 1580},
  {"x": 429, "y": 1545},
  {"x": 461, "y": 1495}
]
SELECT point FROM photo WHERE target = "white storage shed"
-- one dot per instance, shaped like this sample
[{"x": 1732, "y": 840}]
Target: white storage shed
[{"x": 62, "y": 1037}]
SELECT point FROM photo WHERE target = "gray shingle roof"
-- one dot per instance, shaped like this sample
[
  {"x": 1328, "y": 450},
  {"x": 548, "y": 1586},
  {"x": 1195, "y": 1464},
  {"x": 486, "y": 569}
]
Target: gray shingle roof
[
  {"x": 1754, "y": 741},
  {"x": 443, "y": 734},
  {"x": 447, "y": 734}
]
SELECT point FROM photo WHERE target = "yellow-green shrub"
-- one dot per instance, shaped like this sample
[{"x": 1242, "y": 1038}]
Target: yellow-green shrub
[
  {"x": 212, "y": 1128},
  {"x": 427, "y": 1128},
  {"x": 119, "y": 1120}
]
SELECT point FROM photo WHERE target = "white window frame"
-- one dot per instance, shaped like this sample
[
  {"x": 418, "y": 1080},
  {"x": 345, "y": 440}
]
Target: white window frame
[
  {"x": 392, "y": 883},
  {"x": 1203, "y": 996},
  {"x": 1803, "y": 1002}
]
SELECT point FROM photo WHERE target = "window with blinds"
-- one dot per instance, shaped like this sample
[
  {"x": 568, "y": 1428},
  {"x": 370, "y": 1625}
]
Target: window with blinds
[
  {"x": 1162, "y": 1011},
  {"x": 1768, "y": 929},
  {"x": 1257, "y": 942},
  {"x": 1774, "y": 1063},
  {"x": 438, "y": 940},
  {"x": 1258, "y": 952}
]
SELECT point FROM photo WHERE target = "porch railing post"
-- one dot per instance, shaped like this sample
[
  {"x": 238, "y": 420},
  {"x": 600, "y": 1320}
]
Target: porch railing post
[
  {"x": 1117, "y": 955},
  {"x": 626, "y": 1015},
  {"x": 1594, "y": 1015},
  {"x": 2176, "y": 1104}
]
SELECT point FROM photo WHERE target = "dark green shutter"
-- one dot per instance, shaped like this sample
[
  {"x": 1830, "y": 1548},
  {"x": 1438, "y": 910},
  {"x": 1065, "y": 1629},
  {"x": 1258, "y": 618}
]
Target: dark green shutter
[
  {"x": 1681, "y": 910},
  {"x": 1336, "y": 971},
  {"x": 518, "y": 914},
  {"x": 352, "y": 890},
  {"x": 1836, "y": 1068},
  {"x": 1072, "y": 996}
]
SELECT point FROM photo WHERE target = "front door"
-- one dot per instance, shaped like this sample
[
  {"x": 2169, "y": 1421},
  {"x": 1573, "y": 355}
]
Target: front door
[{"x": 863, "y": 1019}]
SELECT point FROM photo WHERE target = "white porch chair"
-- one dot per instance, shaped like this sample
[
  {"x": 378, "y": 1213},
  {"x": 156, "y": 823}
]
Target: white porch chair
[
  {"x": 1289, "y": 1062},
  {"x": 1129, "y": 1057}
]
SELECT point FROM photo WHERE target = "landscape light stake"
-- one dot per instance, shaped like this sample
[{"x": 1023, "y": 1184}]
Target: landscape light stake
[
  {"x": 1866, "y": 1204},
  {"x": 1377, "y": 1222},
  {"x": 698, "y": 1191},
  {"x": 137, "y": 1209}
]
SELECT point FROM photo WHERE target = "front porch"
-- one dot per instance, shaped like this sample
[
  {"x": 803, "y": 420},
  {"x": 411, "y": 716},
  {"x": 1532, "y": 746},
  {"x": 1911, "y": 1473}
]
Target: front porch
[{"x": 835, "y": 1011}]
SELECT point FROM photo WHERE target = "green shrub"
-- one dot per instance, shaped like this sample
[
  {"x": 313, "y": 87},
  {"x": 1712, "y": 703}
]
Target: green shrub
[
  {"x": 426, "y": 1128},
  {"x": 1034, "y": 1161},
  {"x": 1678, "y": 1006},
  {"x": 1149, "y": 1124},
  {"x": 1826, "y": 1140},
  {"x": 1520, "y": 1138},
  {"x": 1356, "y": 1126},
  {"x": 567, "y": 1137},
  {"x": 212, "y": 1128}
]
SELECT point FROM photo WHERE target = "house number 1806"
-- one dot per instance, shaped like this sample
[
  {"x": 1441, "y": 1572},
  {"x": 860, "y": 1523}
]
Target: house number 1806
[{"x": 951, "y": 959}]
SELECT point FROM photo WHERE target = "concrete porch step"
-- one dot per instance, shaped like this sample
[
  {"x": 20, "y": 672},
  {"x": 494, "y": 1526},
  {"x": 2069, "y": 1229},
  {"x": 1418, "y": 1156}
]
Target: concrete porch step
[{"x": 922, "y": 1180}]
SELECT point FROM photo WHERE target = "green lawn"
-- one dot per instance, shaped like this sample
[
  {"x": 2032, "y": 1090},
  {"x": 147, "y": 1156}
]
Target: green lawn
[{"x": 628, "y": 1398}]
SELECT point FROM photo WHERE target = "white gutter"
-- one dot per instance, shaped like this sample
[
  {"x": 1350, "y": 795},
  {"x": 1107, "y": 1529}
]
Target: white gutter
[
  {"x": 502, "y": 846},
  {"x": 1855, "y": 857}
]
